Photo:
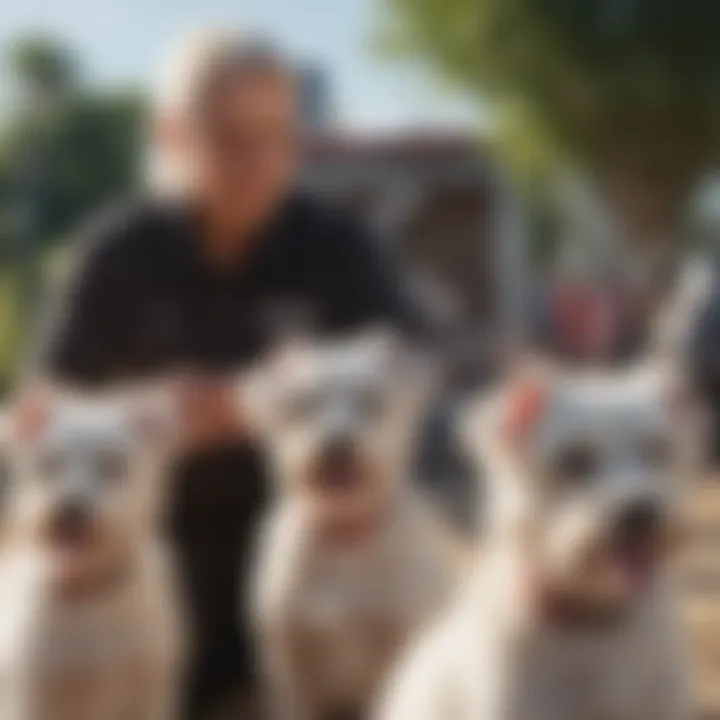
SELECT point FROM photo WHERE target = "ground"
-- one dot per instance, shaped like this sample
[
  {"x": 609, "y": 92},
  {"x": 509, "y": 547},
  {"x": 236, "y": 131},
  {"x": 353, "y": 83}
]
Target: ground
[{"x": 702, "y": 596}]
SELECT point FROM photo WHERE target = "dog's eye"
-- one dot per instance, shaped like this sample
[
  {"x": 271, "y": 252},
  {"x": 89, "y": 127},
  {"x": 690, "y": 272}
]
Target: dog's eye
[
  {"x": 575, "y": 464},
  {"x": 656, "y": 451},
  {"x": 110, "y": 466}
]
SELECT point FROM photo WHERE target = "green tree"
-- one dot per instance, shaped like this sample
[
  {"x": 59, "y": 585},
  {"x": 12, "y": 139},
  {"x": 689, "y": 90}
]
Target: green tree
[
  {"x": 42, "y": 65},
  {"x": 626, "y": 90},
  {"x": 65, "y": 149}
]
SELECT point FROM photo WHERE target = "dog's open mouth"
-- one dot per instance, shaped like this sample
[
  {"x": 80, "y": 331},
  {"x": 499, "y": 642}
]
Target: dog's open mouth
[
  {"x": 636, "y": 565},
  {"x": 338, "y": 476},
  {"x": 73, "y": 546},
  {"x": 621, "y": 573},
  {"x": 71, "y": 533},
  {"x": 339, "y": 469},
  {"x": 638, "y": 547}
]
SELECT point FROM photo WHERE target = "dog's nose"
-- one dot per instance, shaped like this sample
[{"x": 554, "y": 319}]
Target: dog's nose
[
  {"x": 338, "y": 466},
  {"x": 339, "y": 450},
  {"x": 71, "y": 519},
  {"x": 639, "y": 521}
]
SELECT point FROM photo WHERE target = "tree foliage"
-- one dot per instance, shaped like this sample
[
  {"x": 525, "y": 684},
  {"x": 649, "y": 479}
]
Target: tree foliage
[
  {"x": 65, "y": 149},
  {"x": 42, "y": 65},
  {"x": 627, "y": 88}
]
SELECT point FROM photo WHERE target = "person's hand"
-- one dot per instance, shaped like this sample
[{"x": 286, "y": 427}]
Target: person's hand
[{"x": 209, "y": 411}]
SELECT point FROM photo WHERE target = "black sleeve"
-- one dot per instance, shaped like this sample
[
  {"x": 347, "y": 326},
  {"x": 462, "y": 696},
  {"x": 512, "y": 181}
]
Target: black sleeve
[
  {"x": 79, "y": 339},
  {"x": 364, "y": 282}
]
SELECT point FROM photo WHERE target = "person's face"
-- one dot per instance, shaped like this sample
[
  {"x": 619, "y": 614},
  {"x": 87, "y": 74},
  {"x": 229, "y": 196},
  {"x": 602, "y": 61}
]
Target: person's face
[{"x": 242, "y": 146}]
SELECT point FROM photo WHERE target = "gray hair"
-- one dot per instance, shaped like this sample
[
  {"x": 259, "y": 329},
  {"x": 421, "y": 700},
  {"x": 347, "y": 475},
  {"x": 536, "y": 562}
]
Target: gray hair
[{"x": 191, "y": 74}]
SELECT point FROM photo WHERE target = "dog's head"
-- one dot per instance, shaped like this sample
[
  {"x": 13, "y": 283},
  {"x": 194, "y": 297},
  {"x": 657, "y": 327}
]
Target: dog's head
[
  {"x": 338, "y": 417},
  {"x": 85, "y": 475},
  {"x": 585, "y": 471}
]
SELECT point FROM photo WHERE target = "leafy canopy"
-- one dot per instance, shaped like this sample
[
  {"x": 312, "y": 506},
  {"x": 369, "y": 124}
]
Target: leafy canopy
[{"x": 641, "y": 76}]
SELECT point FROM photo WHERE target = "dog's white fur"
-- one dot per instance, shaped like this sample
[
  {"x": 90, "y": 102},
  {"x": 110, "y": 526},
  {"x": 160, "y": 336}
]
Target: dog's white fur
[
  {"x": 497, "y": 654},
  {"x": 92, "y": 633},
  {"x": 332, "y": 612}
]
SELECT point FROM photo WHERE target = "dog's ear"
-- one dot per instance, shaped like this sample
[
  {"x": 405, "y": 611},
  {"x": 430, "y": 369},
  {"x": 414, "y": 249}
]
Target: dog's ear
[
  {"x": 503, "y": 417},
  {"x": 27, "y": 417},
  {"x": 527, "y": 396},
  {"x": 22, "y": 422},
  {"x": 526, "y": 402}
]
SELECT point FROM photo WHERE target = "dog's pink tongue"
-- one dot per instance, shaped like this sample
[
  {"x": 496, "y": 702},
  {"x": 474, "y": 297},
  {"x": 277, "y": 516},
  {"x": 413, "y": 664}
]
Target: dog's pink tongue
[{"x": 635, "y": 571}]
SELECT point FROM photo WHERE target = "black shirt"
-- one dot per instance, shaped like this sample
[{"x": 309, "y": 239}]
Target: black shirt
[{"x": 142, "y": 301}]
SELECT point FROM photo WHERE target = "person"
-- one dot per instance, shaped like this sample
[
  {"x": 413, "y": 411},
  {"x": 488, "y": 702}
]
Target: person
[{"x": 202, "y": 274}]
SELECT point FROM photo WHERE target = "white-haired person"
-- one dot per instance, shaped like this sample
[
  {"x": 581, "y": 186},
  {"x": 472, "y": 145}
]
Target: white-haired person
[{"x": 198, "y": 273}]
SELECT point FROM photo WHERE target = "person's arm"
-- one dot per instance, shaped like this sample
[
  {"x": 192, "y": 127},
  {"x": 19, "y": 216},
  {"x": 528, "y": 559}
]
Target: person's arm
[
  {"x": 79, "y": 340},
  {"x": 364, "y": 283},
  {"x": 84, "y": 342}
]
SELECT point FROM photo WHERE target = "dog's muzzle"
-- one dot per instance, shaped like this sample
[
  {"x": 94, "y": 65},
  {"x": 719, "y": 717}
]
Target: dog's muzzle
[
  {"x": 638, "y": 523},
  {"x": 71, "y": 523},
  {"x": 638, "y": 539},
  {"x": 338, "y": 466}
]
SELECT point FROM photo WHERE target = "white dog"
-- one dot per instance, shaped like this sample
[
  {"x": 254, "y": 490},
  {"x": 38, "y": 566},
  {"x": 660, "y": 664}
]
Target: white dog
[
  {"x": 570, "y": 615},
  {"x": 89, "y": 625},
  {"x": 350, "y": 559}
]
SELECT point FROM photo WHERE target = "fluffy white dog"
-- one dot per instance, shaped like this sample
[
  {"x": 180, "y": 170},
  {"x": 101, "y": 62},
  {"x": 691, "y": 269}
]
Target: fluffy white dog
[
  {"x": 570, "y": 615},
  {"x": 89, "y": 626},
  {"x": 351, "y": 561}
]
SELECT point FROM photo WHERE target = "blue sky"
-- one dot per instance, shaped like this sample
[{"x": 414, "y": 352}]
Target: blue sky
[{"x": 122, "y": 40}]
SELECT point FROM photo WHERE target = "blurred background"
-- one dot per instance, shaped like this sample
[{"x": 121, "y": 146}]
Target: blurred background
[
  {"x": 542, "y": 167},
  {"x": 535, "y": 163}
]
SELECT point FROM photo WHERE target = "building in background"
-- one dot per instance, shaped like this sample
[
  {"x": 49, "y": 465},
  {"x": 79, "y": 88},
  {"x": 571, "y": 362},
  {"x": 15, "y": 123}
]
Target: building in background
[
  {"x": 440, "y": 199},
  {"x": 316, "y": 99}
]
